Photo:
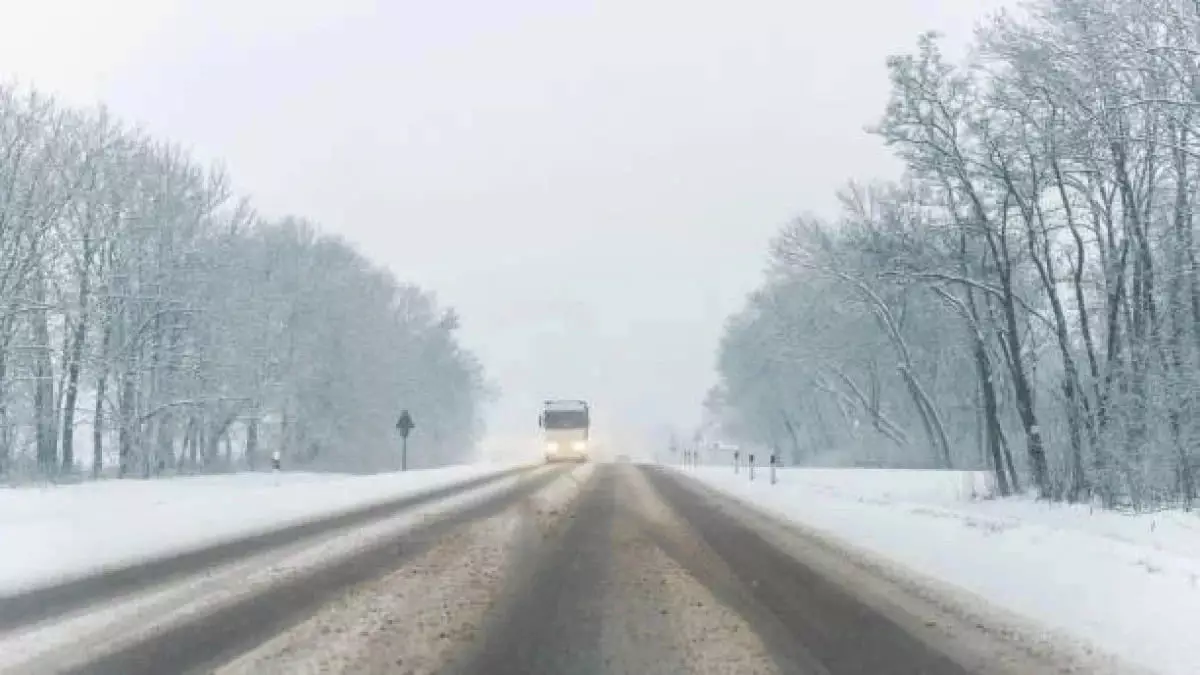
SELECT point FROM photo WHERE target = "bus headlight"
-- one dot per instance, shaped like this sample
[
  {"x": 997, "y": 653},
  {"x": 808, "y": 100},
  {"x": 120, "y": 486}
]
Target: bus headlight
[
  {"x": 579, "y": 446},
  {"x": 552, "y": 447}
]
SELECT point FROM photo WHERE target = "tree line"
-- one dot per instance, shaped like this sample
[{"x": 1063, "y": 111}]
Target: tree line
[
  {"x": 151, "y": 320},
  {"x": 1026, "y": 297}
]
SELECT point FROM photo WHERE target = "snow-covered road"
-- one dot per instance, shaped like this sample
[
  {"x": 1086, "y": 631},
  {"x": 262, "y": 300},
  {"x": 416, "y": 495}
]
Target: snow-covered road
[
  {"x": 1039, "y": 560},
  {"x": 592, "y": 568},
  {"x": 165, "y": 612}
]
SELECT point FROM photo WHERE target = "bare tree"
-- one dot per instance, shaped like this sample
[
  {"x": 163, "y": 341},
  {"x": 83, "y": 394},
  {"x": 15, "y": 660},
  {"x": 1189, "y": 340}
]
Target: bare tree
[
  {"x": 135, "y": 285},
  {"x": 1047, "y": 209}
]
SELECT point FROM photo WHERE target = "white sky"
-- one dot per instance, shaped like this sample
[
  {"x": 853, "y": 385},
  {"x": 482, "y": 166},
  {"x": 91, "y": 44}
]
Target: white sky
[{"x": 592, "y": 184}]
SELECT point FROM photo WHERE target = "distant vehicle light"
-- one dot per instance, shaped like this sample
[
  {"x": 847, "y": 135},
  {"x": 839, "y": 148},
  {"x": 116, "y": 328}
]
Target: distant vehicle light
[{"x": 579, "y": 446}]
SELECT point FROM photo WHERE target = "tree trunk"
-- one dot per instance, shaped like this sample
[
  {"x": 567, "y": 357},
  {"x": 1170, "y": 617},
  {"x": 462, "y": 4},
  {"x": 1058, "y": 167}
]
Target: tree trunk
[
  {"x": 98, "y": 426},
  {"x": 192, "y": 442},
  {"x": 101, "y": 393},
  {"x": 285, "y": 434},
  {"x": 1180, "y": 399},
  {"x": 929, "y": 419},
  {"x": 932, "y": 421},
  {"x": 199, "y": 443},
  {"x": 1144, "y": 320},
  {"x": 1084, "y": 320},
  {"x": 164, "y": 448},
  {"x": 1024, "y": 394},
  {"x": 252, "y": 442},
  {"x": 1037, "y": 241},
  {"x": 1074, "y": 398},
  {"x": 126, "y": 430},
  {"x": 73, "y": 372},
  {"x": 997, "y": 244},
  {"x": 212, "y": 450},
  {"x": 1114, "y": 359},
  {"x": 991, "y": 418},
  {"x": 43, "y": 396},
  {"x": 1008, "y": 461},
  {"x": 987, "y": 387},
  {"x": 5, "y": 426},
  {"x": 871, "y": 404},
  {"x": 787, "y": 424}
]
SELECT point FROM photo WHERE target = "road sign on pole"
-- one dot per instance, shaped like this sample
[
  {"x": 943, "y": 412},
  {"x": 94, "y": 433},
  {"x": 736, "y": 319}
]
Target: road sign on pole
[{"x": 405, "y": 426}]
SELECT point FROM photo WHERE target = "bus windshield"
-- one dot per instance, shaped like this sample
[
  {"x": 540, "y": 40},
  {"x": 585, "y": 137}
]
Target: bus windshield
[{"x": 565, "y": 419}]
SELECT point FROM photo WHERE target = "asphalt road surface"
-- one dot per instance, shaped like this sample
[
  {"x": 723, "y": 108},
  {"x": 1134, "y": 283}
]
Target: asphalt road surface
[
  {"x": 608, "y": 568},
  {"x": 650, "y": 578}
]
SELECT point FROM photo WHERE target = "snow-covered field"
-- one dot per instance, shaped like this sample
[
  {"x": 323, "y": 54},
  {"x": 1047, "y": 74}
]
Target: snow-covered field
[
  {"x": 1129, "y": 584},
  {"x": 54, "y": 533}
]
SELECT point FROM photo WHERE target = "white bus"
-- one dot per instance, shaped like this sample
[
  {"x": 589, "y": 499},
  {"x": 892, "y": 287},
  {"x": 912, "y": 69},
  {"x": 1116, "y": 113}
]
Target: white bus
[{"x": 565, "y": 428}]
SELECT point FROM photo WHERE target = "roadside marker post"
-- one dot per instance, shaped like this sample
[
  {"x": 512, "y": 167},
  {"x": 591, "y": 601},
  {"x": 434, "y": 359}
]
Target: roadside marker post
[
  {"x": 736, "y": 460},
  {"x": 774, "y": 461},
  {"x": 751, "y": 465},
  {"x": 405, "y": 426}
]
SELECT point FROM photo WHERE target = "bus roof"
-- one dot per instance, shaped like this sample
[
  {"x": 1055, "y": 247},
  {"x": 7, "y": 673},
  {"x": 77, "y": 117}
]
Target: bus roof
[{"x": 567, "y": 404}]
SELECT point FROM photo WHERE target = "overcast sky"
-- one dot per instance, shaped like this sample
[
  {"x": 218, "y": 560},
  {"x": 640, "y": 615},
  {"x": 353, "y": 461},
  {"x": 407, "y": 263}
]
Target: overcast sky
[{"x": 591, "y": 184}]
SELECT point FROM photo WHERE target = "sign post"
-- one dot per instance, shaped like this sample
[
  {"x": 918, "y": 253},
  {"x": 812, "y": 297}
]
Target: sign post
[{"x": 405, "y": 425}]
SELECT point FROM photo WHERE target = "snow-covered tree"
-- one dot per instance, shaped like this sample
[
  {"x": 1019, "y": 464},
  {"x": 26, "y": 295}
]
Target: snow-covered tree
[
  {"x": 1033, "y": 280},
  {"x": 141, "y": 298}
]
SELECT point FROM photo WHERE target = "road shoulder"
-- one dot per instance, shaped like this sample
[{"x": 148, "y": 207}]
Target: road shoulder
[{"x": 965, "y": 628}]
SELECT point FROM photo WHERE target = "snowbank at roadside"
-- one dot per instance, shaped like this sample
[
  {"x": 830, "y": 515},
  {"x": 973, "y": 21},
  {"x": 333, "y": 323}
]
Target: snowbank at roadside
[
  {"x": 53, "y": 533},
  {"x": 925, "y": 486},
  {"x": 1128, "y": 583}
]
